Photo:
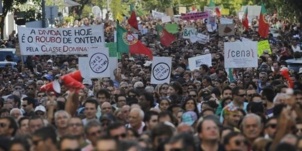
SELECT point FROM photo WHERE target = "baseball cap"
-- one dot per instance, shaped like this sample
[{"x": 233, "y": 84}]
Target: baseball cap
[
  {"x": 189, "y": 118},
  {"x": 40, "y": 108}
]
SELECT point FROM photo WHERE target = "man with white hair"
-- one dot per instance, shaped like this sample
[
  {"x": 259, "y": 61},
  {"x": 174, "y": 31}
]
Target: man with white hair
[
  {"x": 61, "y": 120},
  {"x": 251, "y": 127},
  {"x": 136, "y": 117}
]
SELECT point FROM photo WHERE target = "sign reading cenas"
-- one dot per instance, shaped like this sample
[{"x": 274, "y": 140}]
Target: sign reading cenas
[{"x": 63, "y": 41}]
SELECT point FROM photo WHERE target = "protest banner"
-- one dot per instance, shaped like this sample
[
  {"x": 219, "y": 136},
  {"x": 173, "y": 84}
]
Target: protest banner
[
  {"x": 161, "y": 70},
  {"x": 195, "y": 62},
  {"x": 112, "y": 49},
  {"x": 240, "y": 54},
  {"x": 224, "y": 20},
  {"x": 83, "y": 64},
  {"x": 169, "y": 11},
  {"x": 199, "y": 38},
  {"x": 194, "y": 16},
  {"x": 98, "y": 63},
  {"x": 60, "y": 41},
  {"x": 188, "y": 32},
  {"x": 262, "y": 46},
  {"x": 225, "y": 11},
  {"x": 157, "y": 15},
  {"x": 166, "y": 19},
  {"x": 172, "y": 28},
  {"x": 226, "y": 30},
  {"x": 182, "y": 10}
]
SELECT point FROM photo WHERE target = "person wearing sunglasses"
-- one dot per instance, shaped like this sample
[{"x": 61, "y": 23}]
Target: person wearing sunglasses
[
  {"x": 235, "y": 141},
  {"x": 8, "y": 127},
  {"x": 44, "y": 138},
  {"x": 270, "y": 127},
  {"x": 93, "y": 131}
]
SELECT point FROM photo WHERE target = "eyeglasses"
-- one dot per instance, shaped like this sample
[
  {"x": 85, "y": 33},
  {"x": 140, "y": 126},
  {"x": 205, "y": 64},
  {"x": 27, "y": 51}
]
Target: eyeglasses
[
  {"x": 41, "y": 95},
  {"x": 30, "y": 88},
  {"x": 75, "y": 124},
  {"x": 69, "y": 149},
  {"x": 242, "y": 95},
  {"x": 193, "y": 96},
  {"x": 271, "y": 126},
  {"x": 24, "y": 105},
  {"x": 3, "y": 125},
  {"x": 95, "y": 133},
  {"x": 18, "y": 88},
  {"x": 164, "y": 88},
  {"x": 123, "y": 135},
  {"x": 240, "y": 142}
]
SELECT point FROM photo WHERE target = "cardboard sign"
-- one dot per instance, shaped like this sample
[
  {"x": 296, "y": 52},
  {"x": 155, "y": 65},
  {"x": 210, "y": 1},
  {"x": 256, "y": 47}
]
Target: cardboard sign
[
  {"x": 182, "y": 10},
  {"x": 166, "y": 19},
  {"x": 194, "y": 16},
  {"x": 99, "y": 63},
  {"x": 195, "y": 62},
  {"x": 172, "y": 28},
  {"x": 262, "y": 46},
  {"x": 161, "y": 70},
  {"x": 226, "y": 30},
  {"x": 60, "y": 41},
  {"x": 240, "y": 54},
  {"x": 188, "y": 32}
]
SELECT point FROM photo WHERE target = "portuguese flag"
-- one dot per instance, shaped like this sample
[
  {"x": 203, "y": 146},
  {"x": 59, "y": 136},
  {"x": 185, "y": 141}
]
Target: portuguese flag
[
  {"x": 263, "y": 28},
  {"x": 164, "y": 36},
  {"x": 127, "y": 43},
  {"x": 132, "y": 20},
  {"x": 245, "y": 21}
]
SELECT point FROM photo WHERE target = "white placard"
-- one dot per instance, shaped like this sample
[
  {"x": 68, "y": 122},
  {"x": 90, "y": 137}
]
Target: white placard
[
  {"x": 199, "y": 38},
  {"x": 60, "y": 41},
  {"x": 99, "y": 63},
  {"x": 188, "y": 32},
  {"x": 195, "y": 62},
  {"x": 240, "y": 54},
  {"x": 157, "y": 15},
  {"x": 83, "y": 64},
  {"x": 161, "y": 70},
  {"x": 113, "y": 62},
  {"x": 166, "y": 19},
  {"x": 226, "y": 21}
]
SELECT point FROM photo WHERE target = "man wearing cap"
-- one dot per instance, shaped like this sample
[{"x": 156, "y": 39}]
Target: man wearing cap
[{"x": 40, "y": 111}]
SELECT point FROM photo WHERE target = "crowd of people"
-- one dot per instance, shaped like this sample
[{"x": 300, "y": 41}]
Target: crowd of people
[{"x": 200, "y": 110}]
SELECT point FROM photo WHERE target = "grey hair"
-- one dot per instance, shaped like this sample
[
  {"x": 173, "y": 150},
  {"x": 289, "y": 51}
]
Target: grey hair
[
  {"x": 251, "y": 115},
  {"x": 140, "y": 111},
  {"x": 14, "y": 109},
  {"x": 61, "y": 111},
  {"x": 90, "y": 124}
]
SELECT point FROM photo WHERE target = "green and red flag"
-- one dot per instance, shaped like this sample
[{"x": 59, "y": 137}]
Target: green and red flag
[
  {"x": 132, "y": 20},
  {"x": 165, "y": 37},
  {"x": 245, "y": 21},
  {"x": 128, "y": 43},
  {"x": 263, "y": 28}
]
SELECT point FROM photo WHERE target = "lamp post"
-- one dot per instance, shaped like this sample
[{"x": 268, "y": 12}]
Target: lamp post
[{"x": 43, "y": 14}]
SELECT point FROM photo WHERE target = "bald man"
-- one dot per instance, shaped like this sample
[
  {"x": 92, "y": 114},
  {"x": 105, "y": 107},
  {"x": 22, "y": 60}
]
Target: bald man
[
  {"x": 106, "y": 108},
  {"x": 136, "y": 117}
]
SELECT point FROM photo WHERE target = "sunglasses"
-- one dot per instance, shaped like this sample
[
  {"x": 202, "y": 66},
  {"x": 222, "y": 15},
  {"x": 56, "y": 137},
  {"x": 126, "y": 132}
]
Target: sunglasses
[
  {"x": 193, "y": 96},
  {"x": 95, "y": 133},
  {"x": 240, "y": 142},
  {"x": 271, "y": 126},
  {"x": 24, "y": 105},
  {"x": 242, "y": 95},
  {"x": 123, "y": 135},
  {"x": 30, "y": 88},
  {"x": 41, "y": 95}
]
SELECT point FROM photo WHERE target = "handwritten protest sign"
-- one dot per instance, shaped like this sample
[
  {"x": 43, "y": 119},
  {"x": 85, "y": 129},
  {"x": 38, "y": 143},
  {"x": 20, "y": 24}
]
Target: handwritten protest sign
[
  {"x": 226, "y": 30},
  {"x": 99, "y": 63},
  {"x": 262, "y": 46},
  {"x": 194, "y": 16},
  {"x": 161, "y": 70},
  {"x": 240, "y": 54},
  {"x": 172, "y": 28},
  {"x": 60, "y": 41},
  {"x": 188, "y": 32},
  {"x": 195, "y": 62},
  {"x": 157, "y": 15}
]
